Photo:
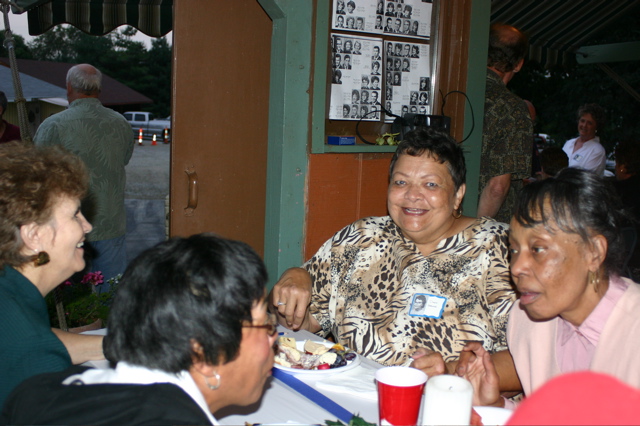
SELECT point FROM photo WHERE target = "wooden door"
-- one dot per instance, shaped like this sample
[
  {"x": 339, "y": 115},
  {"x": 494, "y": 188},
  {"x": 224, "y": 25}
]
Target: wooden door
[{"x": 220, "y": 111}]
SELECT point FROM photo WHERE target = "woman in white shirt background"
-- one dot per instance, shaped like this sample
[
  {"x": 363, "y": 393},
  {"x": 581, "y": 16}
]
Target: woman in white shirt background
[{"x": 585, "y": 151}]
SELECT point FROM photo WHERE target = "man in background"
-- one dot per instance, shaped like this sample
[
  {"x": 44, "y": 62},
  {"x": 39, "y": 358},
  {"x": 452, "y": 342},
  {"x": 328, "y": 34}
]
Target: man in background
[
  {"x": 552, "y": 160},
  {"x": 506, "y": 141},
  {"x": 8, "y": 131},
  {"x": 104, "y": 141}
]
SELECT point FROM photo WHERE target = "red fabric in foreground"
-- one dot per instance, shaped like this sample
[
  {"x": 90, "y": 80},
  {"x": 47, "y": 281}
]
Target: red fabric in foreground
[{"x": 583, "y": 398}]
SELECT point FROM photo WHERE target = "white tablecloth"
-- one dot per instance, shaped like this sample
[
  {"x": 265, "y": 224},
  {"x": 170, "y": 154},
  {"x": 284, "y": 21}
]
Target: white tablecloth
[{"x": 280, "y": 404}]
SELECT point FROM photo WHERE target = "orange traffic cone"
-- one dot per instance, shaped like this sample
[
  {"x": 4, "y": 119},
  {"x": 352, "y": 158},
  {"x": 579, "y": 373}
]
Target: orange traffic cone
[
  {"x": 140, "y": 137},
  {"x": 166, "y": 136},
  {"x": 153, "y": 142}
]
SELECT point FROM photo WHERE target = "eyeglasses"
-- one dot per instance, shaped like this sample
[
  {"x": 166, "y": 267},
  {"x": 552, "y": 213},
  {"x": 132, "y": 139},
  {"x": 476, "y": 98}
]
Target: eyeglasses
[{"x": 271, "y": 327}]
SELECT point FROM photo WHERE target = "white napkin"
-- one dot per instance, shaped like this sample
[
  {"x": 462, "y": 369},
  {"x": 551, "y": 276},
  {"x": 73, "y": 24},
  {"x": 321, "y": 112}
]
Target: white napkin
[{"x": 359, "y": 381}]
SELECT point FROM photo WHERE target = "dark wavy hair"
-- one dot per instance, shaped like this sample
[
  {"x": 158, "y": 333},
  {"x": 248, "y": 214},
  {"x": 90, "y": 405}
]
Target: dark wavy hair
[
  {"x": 507, "y": 46},
  {"x": 440, "y": 146},
  {"x": 596, "y": 111},
  {"x": 579, "y": 202},
  {"x": 32, "y": 179},
  {"x": 199, "y": 288}
]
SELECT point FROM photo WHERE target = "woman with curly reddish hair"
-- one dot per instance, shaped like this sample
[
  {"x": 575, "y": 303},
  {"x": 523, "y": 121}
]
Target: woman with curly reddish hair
[{"x": 42, "y": 232}]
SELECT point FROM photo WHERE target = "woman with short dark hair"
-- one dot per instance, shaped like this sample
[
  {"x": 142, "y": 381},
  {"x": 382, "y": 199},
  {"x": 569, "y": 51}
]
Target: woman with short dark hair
[
  {"x": 359, "y": 286},
  {"x": 189, "y": 334}
]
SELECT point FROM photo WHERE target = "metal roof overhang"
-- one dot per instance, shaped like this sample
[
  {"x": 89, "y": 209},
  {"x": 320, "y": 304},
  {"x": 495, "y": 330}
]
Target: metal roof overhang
[
  {"x": 56, "y": 101},
  {"x": 99, "y": 17},
  {"x": 558, "y": 29}
]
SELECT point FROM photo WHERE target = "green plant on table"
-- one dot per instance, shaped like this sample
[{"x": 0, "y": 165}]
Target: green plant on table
[
  {"x": 85, "y": 301},
  {"x": 355, "y": 421}
]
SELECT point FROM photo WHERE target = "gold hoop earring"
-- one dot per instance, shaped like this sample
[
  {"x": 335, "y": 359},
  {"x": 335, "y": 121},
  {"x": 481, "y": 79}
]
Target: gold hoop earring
[
  {"x": 594, "y": 279},
  {"x": 209, "y": 385},
  {"x": 459, "y": 211},
  {"x": 40, "y": 258}
]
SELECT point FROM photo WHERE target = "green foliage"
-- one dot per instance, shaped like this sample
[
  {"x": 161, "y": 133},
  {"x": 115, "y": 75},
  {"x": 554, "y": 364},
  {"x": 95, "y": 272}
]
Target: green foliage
[
  {"x": 19, "y": 46},
  {"x": 355, "y": 421},
  {"x": 84, "y": 303}
]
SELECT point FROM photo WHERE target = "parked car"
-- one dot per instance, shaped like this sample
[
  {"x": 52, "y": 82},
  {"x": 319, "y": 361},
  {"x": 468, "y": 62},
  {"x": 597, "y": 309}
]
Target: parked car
[{"x": 150, "y": 126}]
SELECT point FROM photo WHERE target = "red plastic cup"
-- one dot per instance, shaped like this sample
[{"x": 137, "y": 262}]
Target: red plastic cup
[{"x": 399, "y": 395}]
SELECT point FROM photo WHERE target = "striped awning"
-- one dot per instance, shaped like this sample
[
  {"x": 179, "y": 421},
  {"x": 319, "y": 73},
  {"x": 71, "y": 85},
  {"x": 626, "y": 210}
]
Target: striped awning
[
  {"x": 557, "y": 29},
  {"x": 99, "y": 17}
]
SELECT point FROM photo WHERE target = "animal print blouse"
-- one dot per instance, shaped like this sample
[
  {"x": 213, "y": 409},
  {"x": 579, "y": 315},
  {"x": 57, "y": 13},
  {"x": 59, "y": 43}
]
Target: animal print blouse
[{"x": 377, "y": 294}]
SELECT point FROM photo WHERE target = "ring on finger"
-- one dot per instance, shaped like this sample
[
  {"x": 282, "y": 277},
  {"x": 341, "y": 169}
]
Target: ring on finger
[{"x": 280, "y": 303}]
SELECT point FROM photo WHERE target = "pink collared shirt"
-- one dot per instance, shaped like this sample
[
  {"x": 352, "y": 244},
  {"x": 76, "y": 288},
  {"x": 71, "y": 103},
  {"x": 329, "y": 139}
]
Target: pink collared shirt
[{"x": 575, "y": 346}]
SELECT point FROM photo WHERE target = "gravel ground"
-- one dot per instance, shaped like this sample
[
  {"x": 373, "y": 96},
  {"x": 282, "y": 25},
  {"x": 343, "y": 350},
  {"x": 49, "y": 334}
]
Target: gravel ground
[
  {"x": 148, "y": 172},
  {"x": 145, "y": 193}
]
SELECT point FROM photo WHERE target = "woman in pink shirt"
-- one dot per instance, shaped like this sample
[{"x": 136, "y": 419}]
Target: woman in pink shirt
[{"x": 575, "y": 312}]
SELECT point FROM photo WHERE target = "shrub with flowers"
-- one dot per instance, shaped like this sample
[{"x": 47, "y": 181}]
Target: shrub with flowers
[{"x": 85, "y": 300}]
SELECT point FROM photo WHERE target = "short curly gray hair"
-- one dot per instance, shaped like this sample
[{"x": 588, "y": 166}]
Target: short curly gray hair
[
  {"x": 596, "y": 111},
  {"x": 85, "y": 80}
]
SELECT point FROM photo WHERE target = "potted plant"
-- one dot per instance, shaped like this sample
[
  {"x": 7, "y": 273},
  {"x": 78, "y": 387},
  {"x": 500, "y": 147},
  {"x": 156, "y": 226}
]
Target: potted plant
[{"x": 85, "y": 301}]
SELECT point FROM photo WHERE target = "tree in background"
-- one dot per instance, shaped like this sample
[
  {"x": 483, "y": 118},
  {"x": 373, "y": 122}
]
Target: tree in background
[
  {"x": 116, "y": 54},
  {"x": 21, "y": 49}
]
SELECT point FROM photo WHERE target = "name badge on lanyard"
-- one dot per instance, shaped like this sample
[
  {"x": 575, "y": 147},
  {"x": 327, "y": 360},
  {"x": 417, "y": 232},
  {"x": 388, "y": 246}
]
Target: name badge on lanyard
[{"x": 427, "y": 305}]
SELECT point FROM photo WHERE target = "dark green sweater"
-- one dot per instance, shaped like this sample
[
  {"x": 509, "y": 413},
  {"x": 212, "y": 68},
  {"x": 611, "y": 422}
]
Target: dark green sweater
[{"x": 27, "y": 344}]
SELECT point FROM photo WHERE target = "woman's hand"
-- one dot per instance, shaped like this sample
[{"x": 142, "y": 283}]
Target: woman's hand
[
  {"x": 475, "y": 365},
  {"x": 291, "y": 297},
  {"x": 431, "y": 362}
]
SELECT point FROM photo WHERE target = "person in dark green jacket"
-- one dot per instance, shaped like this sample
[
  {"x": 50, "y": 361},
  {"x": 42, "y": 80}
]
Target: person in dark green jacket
[{"x": 42, "y": 232}]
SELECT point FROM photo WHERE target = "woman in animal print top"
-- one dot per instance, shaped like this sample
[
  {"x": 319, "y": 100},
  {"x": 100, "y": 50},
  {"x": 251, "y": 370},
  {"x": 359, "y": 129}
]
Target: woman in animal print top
[{"x": 364, "y": 284}]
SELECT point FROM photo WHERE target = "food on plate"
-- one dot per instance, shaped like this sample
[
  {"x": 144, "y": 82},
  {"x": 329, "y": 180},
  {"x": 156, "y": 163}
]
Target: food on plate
[
  {"x": 313, "y": 356},
  {"x": 291, "y": 355},
  {"x": 287, "y": 341},
  {"x": 314, "y": 348}
]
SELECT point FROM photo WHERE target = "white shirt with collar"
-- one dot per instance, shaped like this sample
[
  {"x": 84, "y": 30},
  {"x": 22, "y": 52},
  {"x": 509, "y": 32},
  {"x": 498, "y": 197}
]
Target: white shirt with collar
[{"x": 591, "y": 156}]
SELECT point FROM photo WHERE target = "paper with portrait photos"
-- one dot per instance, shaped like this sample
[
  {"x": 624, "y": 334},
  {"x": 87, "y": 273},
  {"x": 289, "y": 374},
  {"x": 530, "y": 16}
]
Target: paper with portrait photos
[
  {"x": 356, "y": 85},
  {"x": 406, "y": 18},
  {"x": 407, "y": 72}
]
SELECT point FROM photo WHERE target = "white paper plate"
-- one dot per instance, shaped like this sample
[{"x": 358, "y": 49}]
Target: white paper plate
[
  {"x": 493, "y": 415},
  {"x": 300, "y": 345}
]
